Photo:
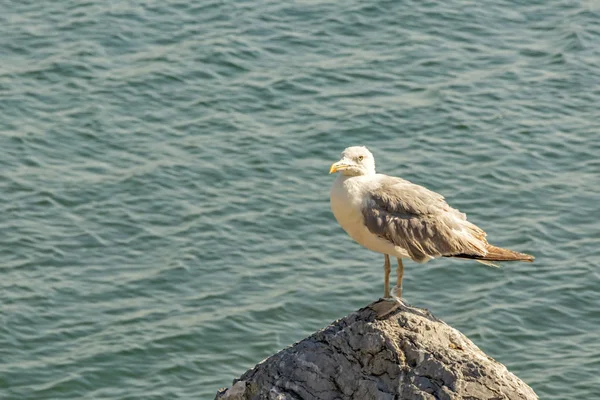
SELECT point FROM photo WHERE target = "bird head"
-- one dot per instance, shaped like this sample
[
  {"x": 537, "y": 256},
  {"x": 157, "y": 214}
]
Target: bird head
[{"x": 356, "y": 160}]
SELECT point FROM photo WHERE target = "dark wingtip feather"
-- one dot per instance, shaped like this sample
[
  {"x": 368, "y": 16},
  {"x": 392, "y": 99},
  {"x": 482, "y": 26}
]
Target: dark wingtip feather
[{"x": 497, "y": 254}]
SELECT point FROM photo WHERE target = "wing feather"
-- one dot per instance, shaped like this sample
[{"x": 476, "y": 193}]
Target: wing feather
[{"x": 419, "y": 221}]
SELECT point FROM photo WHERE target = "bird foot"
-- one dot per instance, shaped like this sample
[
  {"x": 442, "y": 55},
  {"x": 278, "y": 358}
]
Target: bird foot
[
  {"x": 386, "y": 306},
  {"x": 392, "y": 299}
]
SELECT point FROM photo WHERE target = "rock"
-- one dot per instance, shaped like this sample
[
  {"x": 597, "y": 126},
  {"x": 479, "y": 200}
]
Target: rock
[{"x": 386, "y": 350}]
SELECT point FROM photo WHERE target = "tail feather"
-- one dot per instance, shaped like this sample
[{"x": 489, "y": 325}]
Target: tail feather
[{"x": 497, "y": 254}]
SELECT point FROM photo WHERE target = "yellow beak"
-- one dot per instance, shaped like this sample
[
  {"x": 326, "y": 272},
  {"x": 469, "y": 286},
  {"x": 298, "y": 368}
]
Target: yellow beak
[{"x": 338, "y": 166}]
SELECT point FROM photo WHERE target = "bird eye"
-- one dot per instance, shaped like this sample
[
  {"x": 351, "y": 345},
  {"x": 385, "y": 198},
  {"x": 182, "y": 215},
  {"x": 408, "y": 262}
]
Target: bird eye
[{"x": 360, "y": 158}]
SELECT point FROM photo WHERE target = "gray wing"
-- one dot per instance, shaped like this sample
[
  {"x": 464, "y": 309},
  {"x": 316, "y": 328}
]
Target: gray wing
[{"x": 419, "y": 221}]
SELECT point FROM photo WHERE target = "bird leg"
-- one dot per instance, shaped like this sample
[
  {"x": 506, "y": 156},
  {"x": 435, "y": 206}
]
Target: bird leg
[
  {"x": 399, "y": 276},
  {"x": 386, "y": 277}
]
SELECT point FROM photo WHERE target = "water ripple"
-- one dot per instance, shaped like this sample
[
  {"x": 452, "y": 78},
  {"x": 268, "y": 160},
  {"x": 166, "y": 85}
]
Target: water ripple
[{"x": 164, "y": 217}]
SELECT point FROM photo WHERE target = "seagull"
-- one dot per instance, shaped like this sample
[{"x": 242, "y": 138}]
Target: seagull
[{"x": 398, "y": 218}]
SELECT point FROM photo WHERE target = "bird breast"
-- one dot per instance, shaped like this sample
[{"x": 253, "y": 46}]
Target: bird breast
[{"x": 346, "y": 204}]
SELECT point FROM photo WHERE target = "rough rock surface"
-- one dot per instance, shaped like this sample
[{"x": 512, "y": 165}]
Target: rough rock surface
[{"x": 386, "y": 350}]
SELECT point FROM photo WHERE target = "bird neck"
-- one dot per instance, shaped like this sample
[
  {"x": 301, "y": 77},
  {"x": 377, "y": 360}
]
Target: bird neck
[
  {"x": 349, "y": 173},
  {"x": 370, "y": 172}
]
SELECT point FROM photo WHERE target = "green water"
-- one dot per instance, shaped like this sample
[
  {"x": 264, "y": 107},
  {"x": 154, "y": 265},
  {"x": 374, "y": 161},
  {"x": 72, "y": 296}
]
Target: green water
[{"x": 164, "y": 195}]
